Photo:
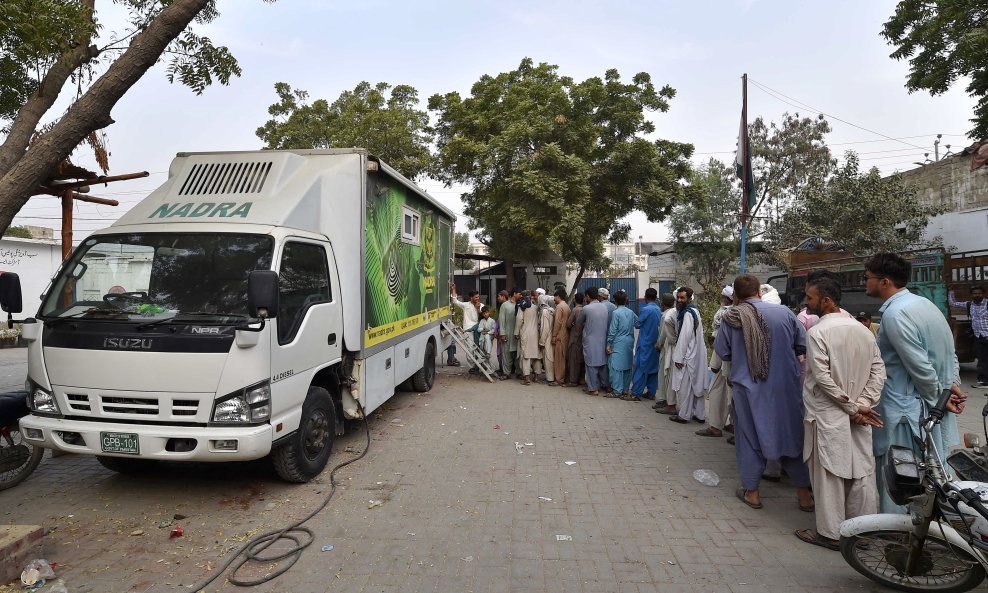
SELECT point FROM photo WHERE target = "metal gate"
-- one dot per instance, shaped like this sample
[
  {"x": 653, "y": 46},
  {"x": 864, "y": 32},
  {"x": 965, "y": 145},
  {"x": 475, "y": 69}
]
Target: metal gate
[{"x": 629, "y": 285}]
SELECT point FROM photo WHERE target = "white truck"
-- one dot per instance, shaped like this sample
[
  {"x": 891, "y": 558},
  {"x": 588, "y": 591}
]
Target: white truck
[{"x": 245, "y": 308}]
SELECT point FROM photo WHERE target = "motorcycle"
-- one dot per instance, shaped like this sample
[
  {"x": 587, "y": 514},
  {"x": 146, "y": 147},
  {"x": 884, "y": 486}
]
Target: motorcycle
[
  {"x": 942, "y": 543},
  {"x": 18, "y": 458}
]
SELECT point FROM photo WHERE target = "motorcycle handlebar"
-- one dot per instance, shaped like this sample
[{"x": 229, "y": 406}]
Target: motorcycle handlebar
[
  {"x": 937, "y": 412},
  {"x": 972, "y": 500}
]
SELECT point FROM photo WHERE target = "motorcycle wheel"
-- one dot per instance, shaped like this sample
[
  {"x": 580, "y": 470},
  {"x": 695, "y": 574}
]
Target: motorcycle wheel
[
  {"x": 881, "y": 555},
  {"x": 18, "y": 458}
]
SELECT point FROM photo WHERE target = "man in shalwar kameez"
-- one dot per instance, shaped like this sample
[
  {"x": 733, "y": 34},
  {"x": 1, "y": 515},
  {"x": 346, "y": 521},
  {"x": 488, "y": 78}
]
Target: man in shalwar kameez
[
  {"x": 844, "y": 379},
  {"x": 762, "y": 341},
  {"x": 506, "y": 321},
  {"x": 689, "y": 373},
  {"x": 918, "y": 349},
  {"x": 719, "y": 393},
  {"x": 560, "y": 335},
  {"x": 621, "y": 346},
  {"x": 547, "y": 314},
  {"x": 645, "y": 380},
  {"x": 574, "y": 350},
  {"x": 527, "y": 334},
  {"x": 666, "y": 403},
  {"x": 595, "y": 342}
]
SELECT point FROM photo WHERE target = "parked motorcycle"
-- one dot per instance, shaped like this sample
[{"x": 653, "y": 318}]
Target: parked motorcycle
[
  {"x": 942, "y": 543},
  {"x": 18, "y": 458}
]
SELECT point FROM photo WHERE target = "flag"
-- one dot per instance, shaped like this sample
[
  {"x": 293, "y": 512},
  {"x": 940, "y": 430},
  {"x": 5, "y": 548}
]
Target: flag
[{"x": 742, "y": 161}]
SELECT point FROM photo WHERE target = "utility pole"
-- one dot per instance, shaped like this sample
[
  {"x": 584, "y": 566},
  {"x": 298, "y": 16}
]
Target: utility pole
[{"x": 743, "y": 150}]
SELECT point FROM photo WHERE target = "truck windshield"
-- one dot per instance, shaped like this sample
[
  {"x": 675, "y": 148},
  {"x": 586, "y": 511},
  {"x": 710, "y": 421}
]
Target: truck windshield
[{"x": 150, "y": 276}]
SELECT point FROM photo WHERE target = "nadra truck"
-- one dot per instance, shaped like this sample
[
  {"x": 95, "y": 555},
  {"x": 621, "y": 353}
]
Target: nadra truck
[{"x": 244, "y": 309}]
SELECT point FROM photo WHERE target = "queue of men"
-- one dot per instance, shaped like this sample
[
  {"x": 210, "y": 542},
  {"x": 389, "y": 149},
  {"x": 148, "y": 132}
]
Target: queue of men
[{"x": 819, "y": 396}]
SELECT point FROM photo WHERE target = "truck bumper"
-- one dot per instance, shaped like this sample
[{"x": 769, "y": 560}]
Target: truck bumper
[{"x": 193, "y": 443}]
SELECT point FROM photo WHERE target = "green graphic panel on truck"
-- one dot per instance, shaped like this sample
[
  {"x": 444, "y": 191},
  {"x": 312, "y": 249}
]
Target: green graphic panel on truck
[{"x": 400, "y": 272}]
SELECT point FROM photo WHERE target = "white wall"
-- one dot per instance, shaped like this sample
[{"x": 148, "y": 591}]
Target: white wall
[{"x": 35, "y": 261}]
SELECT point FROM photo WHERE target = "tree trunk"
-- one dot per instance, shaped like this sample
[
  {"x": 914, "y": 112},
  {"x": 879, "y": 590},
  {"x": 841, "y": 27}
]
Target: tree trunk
[
  {"x": 92, "y": 111},
  {"x": 509, "y": 274},
  {"x": 576, "y": 282}
]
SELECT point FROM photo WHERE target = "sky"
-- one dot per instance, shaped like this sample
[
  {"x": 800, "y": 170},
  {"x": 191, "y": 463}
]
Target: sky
[{"x": 805, "y": 57}]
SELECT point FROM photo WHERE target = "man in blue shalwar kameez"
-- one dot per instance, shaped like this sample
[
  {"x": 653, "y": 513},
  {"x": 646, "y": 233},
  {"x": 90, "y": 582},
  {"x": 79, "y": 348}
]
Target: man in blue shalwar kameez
[
  {"x": 762, "y": 342},
  {"x": 918, "y": 350},
  {"x": 645, "y": 380}
]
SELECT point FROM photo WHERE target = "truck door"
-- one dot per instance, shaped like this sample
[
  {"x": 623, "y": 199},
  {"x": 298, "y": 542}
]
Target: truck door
[{"x": 309, "y": 323}]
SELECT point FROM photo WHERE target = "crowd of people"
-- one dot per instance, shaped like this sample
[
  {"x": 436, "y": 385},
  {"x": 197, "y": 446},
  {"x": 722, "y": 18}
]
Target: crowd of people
[{"x": 819, "y": 395}]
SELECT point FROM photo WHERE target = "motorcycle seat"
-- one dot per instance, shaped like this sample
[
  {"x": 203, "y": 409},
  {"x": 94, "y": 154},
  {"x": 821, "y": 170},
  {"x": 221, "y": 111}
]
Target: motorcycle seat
[{"x": 13, "y": 405}]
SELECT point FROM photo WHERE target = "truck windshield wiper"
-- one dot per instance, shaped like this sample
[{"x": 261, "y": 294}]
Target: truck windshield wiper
[
  {"x": 187, "y": 314},
  {"x": 80, "y": 314}
]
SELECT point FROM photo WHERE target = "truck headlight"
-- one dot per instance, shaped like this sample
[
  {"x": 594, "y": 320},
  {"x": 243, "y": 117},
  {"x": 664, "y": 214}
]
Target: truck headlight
[
  {"x": 249, "y": 405},
  {"x": 42, "y": 401}
]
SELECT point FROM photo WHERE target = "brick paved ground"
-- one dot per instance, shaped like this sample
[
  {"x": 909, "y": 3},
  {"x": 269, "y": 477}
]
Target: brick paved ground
[{"x": 460, "y": 506}]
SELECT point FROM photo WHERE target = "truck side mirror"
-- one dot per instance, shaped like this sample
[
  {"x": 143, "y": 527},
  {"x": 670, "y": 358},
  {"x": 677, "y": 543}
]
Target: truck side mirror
[
  {"x": 262, "y": 294},
  {"x": 10, "y": 293}
]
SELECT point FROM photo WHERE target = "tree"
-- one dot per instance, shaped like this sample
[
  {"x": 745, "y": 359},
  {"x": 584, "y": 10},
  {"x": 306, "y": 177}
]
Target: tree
[
  {"x": 943, "y": 41},
  {"x": 389, "y": 126},
  {"x": 556, "y": 163},
  {"x": 863, "y": 211},
  {"x": 785, "y": 157},
  {"x": 461, "y": 244},
  {"x": 707, "y": 229},
  {"x": 46, "y": 44},
  {"x": 18, "y": 231}
]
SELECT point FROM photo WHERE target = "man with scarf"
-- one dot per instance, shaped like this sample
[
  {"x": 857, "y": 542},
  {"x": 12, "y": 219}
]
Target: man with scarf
[
  {"x": 689, "y": 373},
  {"x": 762, "y": 341}
]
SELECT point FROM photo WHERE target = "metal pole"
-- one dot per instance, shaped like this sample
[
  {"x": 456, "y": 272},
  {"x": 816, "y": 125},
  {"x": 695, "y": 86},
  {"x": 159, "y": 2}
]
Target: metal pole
[{"x": 744, "y": 169}]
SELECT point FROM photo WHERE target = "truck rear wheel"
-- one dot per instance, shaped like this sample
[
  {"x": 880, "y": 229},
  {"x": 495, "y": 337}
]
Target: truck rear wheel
[
  {"x": 304, "y": 455},
  {"x": 125, "y": 465},
  {"x": 422, "y": 380}
]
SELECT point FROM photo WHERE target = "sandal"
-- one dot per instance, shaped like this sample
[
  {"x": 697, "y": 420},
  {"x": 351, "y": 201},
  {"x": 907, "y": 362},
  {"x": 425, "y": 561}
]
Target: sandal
[
  {"x": 593, "y": 393},
  {"x": 526, "y": 382},
  {"x": 730, "y": 440},
  {"x": 812, "y": 537},
  {"x": 708, "y": 432},
  {"x": 740, "y": 494},
  {"x": 667, "y": 410},
  {"x": 677, "y": 419}
]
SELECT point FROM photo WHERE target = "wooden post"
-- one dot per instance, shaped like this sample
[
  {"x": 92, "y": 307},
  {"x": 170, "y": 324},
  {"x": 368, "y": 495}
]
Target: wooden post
[{"x": 67, "y": 224}]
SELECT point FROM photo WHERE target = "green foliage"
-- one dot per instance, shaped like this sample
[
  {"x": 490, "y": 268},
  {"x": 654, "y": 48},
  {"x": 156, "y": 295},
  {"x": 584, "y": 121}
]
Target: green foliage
[
  {"x": 33, "y": 33},
  {"x": 707, "y": 228},
  {"x": 865, "y": 212},
  {"x": 785, "y": 157},
  {"x": 461, "y": 244},
  {"x": 388, "y": 126},
  {"x": 556, "y": 163},
  {"x": 18, "y": 231},
  {"x": 943, "y": 41}
]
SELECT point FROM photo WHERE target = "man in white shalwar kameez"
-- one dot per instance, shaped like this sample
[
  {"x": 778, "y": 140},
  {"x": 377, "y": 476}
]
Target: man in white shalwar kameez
[
  {"x": 844, "y": 380},
  {"x": 665, "y": 399},
  {"x": 689, "y": 372}
]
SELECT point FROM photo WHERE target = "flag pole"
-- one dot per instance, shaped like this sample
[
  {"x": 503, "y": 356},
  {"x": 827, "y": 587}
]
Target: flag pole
[{"x": 745, "y": 163}]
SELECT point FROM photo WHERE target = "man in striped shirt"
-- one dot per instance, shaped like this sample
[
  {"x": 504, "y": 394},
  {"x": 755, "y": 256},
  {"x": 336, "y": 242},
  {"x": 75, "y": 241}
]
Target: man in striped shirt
[{"x": 977, "y": 310}]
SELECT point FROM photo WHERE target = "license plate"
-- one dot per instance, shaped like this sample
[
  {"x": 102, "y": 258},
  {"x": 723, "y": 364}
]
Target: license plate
[{"x": 119, "y": 442}]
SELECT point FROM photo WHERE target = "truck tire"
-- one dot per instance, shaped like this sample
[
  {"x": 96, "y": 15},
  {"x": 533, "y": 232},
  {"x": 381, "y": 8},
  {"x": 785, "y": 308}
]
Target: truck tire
[
  {"x": 304, "y": 454},
  {"x": 125, "y": 465},
  {"x": 423, "y": 379}
]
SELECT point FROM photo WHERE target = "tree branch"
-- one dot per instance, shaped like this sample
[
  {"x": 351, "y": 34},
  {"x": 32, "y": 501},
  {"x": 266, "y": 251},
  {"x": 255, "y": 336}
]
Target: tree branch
[
  {"x": 25, "y": 171},
  {"x": 38, "y": 104}
]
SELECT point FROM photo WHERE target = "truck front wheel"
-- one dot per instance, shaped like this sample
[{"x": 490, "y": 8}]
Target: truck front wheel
[{"x": 304, "y": 454}]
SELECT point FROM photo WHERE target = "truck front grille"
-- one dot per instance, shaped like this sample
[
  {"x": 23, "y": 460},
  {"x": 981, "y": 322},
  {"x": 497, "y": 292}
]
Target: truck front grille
[{"x": 130, "y": 405}]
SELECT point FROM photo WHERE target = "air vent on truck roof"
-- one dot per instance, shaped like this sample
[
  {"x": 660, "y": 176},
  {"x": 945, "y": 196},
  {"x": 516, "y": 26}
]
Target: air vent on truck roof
[{"x": 225, "y": 178}]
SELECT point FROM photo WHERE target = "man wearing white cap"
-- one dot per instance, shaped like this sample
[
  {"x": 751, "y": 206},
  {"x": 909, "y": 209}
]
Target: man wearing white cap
[
  {"x": 604, "y": 296},
  {"x": 719, "y": 394}
]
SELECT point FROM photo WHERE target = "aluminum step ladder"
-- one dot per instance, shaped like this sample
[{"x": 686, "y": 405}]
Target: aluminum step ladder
[{"x": 473, "y": 352}]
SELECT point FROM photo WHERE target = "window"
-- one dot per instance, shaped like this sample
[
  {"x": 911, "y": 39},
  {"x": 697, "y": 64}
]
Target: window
[
  {"x": 410, "y": 225},
  {"x": 304, "y": 281}
]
